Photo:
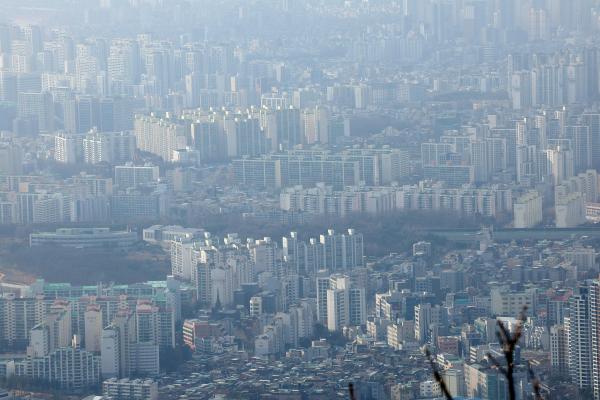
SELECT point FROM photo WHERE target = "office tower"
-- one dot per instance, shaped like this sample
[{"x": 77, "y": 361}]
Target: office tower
[
  {"x": 528, "y": 210},
  {"x": 11, "y": 159},
  {"x": 592, "y": 121},
  {"x": 37, "y": 105},
  {"x": 8, "y": 86},
  {"x": 106, "y": 118},
  {"x": 346, "y": 303},
  {"x": 581, "y": 144},
  {"x": 83, "y": 113},
  {"x": 130, "y": 176},
  {"x": 580, "y": 346},
  {"x": 123, "y": 112},
  {"x": 159, "y": 136},
  {"x": 590, "y": 59}
]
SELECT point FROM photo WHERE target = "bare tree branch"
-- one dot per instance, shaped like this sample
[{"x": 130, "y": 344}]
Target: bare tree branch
[
  {"x": 437, "y": 375},
  {"x": 535, "y": 382},
  {"x": 351, "y": 391},
  {"x": 509, "y": 343},
  {"x": 496, "y": 363}
]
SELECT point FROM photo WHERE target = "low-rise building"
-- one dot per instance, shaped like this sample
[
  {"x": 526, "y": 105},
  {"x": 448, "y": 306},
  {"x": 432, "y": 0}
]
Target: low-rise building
[
  {"x": 130, "y": 389},
  {"x": 84, "y": 238}
]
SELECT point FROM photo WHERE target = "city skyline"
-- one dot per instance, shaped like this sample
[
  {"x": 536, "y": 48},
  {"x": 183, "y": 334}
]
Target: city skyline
[{"x": 300, "y": 199}]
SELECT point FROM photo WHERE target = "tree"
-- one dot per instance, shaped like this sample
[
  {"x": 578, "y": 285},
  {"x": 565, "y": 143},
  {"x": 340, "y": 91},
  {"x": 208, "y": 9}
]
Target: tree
[{"x": 509, "y": 343}]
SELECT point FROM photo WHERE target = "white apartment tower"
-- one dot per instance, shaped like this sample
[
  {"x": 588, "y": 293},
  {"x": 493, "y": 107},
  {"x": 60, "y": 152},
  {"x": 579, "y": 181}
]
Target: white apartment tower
[
  {"x": 580, "y": 338},
  {"x": 528, "y": 210},
  {"x": 346, "y": 304},
  {"x": 159, "y": 136},
  {"x": 93, "y": 328}
]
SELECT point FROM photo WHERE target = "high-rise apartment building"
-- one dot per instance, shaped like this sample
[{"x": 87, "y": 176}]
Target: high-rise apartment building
[
  {"x": 159, "y": 136},
  {"x": 342, "y": 251},
  {"x": 131, "y": 176},
  {"x": 594, "y": 324},
  {"x": 68, "y": 148},
  {"x": 346, "y": 303},
  {"x": 528, "y": 210},
  {"x": 580, "y": 338},
  {"x": 108, "y": 147}
]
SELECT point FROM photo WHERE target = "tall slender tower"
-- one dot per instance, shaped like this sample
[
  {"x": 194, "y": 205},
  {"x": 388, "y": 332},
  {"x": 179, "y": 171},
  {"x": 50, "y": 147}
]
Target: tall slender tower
[
  {"x": 594, "y": 306},
  {"x": 580, "y": 348}
]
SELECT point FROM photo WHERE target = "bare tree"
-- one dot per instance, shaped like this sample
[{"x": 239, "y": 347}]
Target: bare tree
[
  {"x": 437, "y": 375},
  {"x": 535, "y": 382},
  {"x": 509, "y": 343},
  {"x": 351, "y": 391}
]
